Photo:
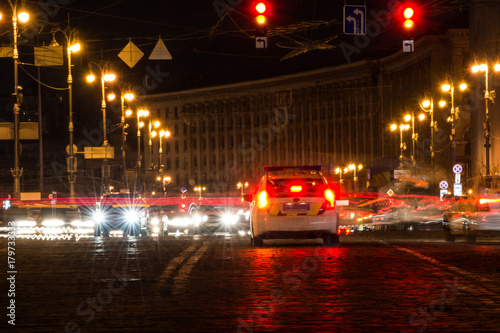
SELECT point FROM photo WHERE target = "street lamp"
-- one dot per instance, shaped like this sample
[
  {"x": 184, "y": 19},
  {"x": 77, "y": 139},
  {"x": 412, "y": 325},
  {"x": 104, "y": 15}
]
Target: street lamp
[
  {"x": 155, "y": 124},
  {"x": 106, "y": 76},
  {"x": 199, "y": 189},
  {"x": 488, "y": 95},
  {"x": 402, "y": 146},
  {"x": 17, "y": 172},
  {"x": 414, "y": 136},
  {"x": 70, "y": 35},
  {"x": 338, "y": 171},
  {"x": 354, "y": 167},
  {"x": 449, "y": 87},
  {"x": 124, "y": 96},
  {"x": 428, "y": 106},
  {"x": 162, "y": 134},
  {"x": 242, "y": 186},
  {"x": 140, "y": 124}
]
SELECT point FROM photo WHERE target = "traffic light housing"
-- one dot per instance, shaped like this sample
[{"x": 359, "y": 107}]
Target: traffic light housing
[
  {"x": 408, "y": 15},
  {"x": 261, "y": 19}
]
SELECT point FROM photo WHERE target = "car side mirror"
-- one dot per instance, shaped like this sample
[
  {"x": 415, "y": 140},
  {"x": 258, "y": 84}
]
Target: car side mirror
[{"x": 247, "y": 197}]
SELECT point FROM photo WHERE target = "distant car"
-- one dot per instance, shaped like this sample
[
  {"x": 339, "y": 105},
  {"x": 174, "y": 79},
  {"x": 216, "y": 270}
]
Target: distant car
[
  {"x": 179, "y": 219},
  {"x": 119, "y": 212},
  {"x": 220, "y": 219},
  {"x": 293, "y": 202},
  {"x": 156, "y": 221},
  {"x": 475, "y": 214}
]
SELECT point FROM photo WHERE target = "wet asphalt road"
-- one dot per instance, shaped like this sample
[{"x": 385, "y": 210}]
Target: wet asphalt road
[{"x": 371, "y": 282}]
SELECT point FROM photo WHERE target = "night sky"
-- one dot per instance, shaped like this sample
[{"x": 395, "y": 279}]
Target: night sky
[{"x": 211, "y": 43}]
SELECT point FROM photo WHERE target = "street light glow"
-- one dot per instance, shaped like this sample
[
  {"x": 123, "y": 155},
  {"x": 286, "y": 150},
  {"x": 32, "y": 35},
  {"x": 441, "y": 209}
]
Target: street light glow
[
  {"x": 90, "y": 78},
  {"x": 75, "y": 47},
  {"x": 445, "y": 87},
  {"x": 110, "y": 77},
  {"x": 426, "y": 103},
  {"x": 129, "y": 96},
  {"x": 23, "y": 17}
]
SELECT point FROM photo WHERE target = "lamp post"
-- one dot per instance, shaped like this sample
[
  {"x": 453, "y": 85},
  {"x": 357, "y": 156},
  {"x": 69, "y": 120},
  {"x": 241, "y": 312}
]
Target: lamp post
[
  {"x": 125, "y": 95},
  {"x": 353, "y": 167},
  {"x": 402, "y": 146},
  {"x": 242, "y": 186},
  {"x": 428, "y": 106},
  {"x": 414, "y": 136},
  {"x": 488, "y": 95},
  {"x": 449, "y": 87},
  {"x": 199, "y": 189},
  {"x": 156, "y": 124},
  {"x": 338, "y": 171},
  {"x": 16, "y": 171},
  {"x": 106, "y": 76},
  {"x": 70, "y": 35}
]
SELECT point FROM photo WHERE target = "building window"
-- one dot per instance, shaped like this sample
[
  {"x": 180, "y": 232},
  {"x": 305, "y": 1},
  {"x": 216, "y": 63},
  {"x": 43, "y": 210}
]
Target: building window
[
  {"x": 193, "y": 142},
  {"x": 176, "y": 146},
  {"x": 185, "y": 163},
  {"x": 169, "y": 165},
  {"x": 176, "y": 113},
  {"x": 195, "y": 161},
  {"x": 176, "y": 163}
]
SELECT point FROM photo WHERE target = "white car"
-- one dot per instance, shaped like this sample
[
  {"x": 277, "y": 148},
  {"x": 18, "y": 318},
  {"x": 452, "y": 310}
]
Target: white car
[
  {"x": 477, "y": 214},
  {"x": 293, "y": 202}
]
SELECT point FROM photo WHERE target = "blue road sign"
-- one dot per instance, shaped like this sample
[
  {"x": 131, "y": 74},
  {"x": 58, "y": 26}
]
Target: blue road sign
[
  {"x": 443, "y": 185},
  {"x": 355, "y": 20}
]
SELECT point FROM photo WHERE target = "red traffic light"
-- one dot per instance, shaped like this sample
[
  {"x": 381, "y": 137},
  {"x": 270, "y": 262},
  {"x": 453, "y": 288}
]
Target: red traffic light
[
  {"x": 408, "y": 14},
  {"x": 261, "y": 8}
]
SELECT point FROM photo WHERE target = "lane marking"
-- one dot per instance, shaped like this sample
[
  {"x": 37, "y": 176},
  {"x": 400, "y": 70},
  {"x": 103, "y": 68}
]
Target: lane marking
[
  {"x": 181, "y": 280},
  {"x": 484, "y": 294},
  {"x": 175, "y": 263}
]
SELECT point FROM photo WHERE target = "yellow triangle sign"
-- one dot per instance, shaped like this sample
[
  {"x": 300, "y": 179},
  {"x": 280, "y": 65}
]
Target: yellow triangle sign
[
  {"x": 131, "y": 54},
  {"x": 160, "y": 52}
]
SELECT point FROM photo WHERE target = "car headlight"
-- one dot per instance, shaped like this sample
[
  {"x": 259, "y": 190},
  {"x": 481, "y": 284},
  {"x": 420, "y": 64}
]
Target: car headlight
[
  {"x": 132, "y": 216},
  {"x": 98, "y": 217},
  {"x": 53, "y": 223},
  {"x": 229, "y": 218},
  {"x": 155, "y": 221},
  {"x": 180, "y": 222}
]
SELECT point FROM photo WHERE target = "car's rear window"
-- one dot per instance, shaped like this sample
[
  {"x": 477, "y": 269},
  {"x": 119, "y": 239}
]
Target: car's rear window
[{"x": 295, "y": 187}]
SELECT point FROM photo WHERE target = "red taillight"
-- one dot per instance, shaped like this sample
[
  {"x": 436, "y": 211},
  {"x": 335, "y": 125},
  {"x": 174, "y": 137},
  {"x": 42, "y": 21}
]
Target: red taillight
[
  {"x": 330, "y": 198},
  {"x": 262, "y": 199},
  {"x": 295, "y": 188}
]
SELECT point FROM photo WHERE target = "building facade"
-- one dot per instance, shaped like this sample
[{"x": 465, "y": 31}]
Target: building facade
[{"x": 330, "y": 117}]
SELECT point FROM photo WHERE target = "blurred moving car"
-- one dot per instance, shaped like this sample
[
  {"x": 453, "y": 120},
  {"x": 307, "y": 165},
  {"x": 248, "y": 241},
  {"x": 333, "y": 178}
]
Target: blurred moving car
[
  {"x": 475, "y": 214},
  {"x": 179, "y": 218},
  {"x": 220, "y": 219},
  {"x": 293, "y": 202}
]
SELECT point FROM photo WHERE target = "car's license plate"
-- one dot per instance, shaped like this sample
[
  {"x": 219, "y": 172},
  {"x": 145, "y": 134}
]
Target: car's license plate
[{"x": 295, "y": 207}]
